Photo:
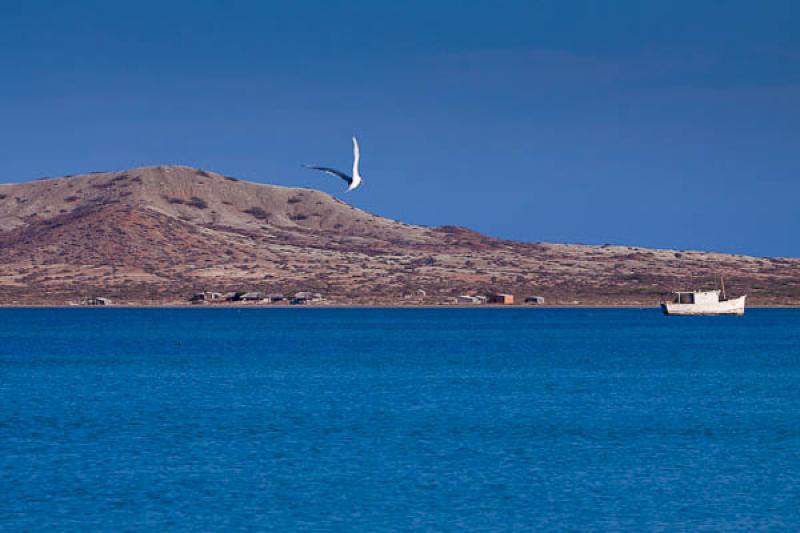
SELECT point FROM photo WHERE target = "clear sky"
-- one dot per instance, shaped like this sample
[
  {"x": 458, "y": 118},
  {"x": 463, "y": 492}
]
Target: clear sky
[{"x": 656, "y": 123}]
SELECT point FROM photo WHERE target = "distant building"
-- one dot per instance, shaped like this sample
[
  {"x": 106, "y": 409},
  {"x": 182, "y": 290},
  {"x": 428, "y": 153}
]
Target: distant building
[
  {"x": 206, "y": 297},
  {"x": 305, "y": 297},
  {"x": 97, "y": 301},
  {"x": 253, "y": 296},
  {"x": 199, "y": 298},
  {"x": 534, "y": 300},
  {"x": 275, "y": 297},
  {"x": 501, "y": 298},
  {"x": 232, "y": 296},
  {"x": 466, "y": 299}
]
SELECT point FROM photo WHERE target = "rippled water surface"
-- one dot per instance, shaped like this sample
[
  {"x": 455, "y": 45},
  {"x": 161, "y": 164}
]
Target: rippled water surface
[{"x": 451, "y": 419}]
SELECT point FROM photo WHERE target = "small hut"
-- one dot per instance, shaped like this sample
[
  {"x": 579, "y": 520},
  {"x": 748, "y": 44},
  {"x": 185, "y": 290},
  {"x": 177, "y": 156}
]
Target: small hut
[
  {"x": 253, "y": 296},
  {"x": 305, "y": 297},
  {"x": 467, "y": 299},
  {"x": 97, "y": 300},
  {"x": 534, "y": 300},
  {"x": 199, "y": 298},
  {"x": 501, "y": 298}
]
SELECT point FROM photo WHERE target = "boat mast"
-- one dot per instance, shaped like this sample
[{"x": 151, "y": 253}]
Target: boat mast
[{"x": 722, "y": 284}]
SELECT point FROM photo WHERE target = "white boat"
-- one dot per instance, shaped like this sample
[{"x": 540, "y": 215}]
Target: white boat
[{"x": 704, "y": 303}]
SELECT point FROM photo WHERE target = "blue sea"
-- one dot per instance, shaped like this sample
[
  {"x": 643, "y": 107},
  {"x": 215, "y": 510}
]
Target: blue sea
[{"x": 398, "y": 419}]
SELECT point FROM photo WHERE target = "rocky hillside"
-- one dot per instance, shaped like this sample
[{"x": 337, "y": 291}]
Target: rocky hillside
[{"x": 158, "y": 234}]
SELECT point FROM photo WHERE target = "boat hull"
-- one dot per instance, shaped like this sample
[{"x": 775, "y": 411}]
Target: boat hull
[{"x": 726, "y": 307}]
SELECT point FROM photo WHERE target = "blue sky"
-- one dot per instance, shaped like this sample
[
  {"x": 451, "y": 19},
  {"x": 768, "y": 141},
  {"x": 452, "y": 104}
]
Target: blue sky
[{"x": 667, "y": 124}]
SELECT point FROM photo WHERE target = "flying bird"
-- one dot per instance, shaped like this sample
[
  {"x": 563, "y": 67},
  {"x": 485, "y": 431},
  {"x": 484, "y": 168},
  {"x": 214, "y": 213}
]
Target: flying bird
[{"x": 353, "y": 181}]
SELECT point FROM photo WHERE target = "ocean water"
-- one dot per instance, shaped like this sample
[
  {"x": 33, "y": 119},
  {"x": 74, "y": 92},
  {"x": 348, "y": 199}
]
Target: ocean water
[{"x": 407, "y": 419}]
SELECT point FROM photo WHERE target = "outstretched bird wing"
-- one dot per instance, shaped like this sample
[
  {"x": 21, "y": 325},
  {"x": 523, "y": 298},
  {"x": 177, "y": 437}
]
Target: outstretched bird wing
[
  {"x": 332, "y": 172},
  {"x": 356, "y": 156}
]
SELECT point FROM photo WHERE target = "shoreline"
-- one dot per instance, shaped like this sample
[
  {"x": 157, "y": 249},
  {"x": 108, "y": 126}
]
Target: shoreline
[{"x": 359, "y": 306}]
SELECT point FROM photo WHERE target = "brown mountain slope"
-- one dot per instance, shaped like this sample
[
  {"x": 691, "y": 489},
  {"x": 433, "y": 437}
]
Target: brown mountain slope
[{"x": 157, "y": 234}]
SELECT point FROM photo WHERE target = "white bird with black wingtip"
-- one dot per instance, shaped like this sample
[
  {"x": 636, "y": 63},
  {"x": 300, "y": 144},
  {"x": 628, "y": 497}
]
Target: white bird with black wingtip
[{"x": 353, "y": 181}]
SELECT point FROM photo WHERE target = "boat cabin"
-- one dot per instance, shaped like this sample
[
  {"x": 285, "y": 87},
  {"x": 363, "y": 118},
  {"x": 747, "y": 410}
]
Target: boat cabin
[{"x": 696, "y": 297}]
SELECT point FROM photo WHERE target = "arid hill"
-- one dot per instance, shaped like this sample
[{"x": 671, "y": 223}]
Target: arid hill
[{"x": 158, "y": 234}]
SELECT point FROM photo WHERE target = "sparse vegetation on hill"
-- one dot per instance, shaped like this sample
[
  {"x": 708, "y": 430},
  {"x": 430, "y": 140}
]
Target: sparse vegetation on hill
[
  {"x": 257, "y": 212},
  {"x": 199, "y": 203}
]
